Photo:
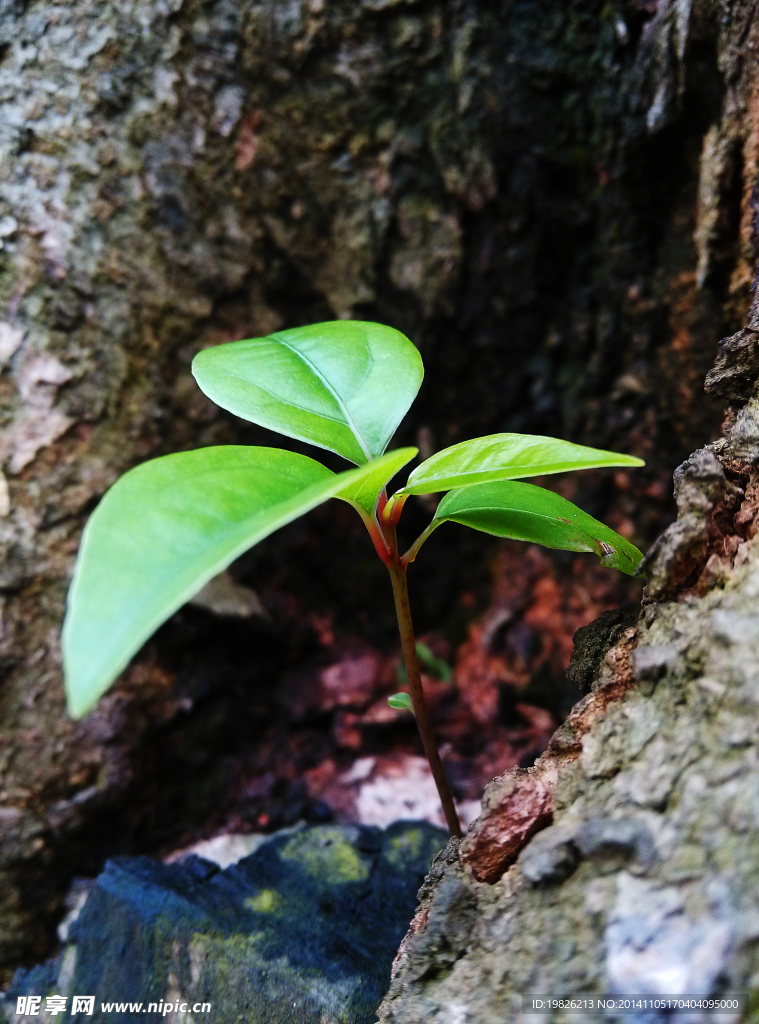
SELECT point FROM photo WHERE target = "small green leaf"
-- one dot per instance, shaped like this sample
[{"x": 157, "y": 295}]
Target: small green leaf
[
  {"x": 401, "y": 702},
  {"x": 343, "y": 385},
  {"x": 506, "y": 457},
  {"x": 525, "y": 512},
  {"x": 363, "y": 494},
  {"x": 434, "y": 666},
  {"x": 160, "y": 533}
]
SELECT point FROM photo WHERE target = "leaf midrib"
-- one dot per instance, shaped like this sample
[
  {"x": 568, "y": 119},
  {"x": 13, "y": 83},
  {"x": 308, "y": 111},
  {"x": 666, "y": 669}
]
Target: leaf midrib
[
  {"x": 500, "y": 508},
  {"x": 584, "y": 531},
  {"x": 278, "y": 398},
  {"x": 520, "y": 472},
  {"x": 335, "y": 395}
]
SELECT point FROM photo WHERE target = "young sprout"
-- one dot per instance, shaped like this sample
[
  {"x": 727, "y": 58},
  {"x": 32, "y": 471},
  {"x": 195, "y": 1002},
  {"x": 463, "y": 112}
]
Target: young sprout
[
  {"x": 401, "y": 702},
  {"x": 171, "y": 524}
]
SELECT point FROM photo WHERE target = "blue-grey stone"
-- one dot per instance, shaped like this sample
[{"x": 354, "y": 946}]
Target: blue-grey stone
[{"x": 302, "y": 931}]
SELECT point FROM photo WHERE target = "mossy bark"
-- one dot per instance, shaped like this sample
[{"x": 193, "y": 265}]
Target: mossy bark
[{"x": 554, "y": 201}]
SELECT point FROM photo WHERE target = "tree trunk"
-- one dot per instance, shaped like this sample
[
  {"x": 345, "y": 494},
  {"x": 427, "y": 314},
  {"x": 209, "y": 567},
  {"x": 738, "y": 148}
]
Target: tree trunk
[{"x": 553, "y": 201}]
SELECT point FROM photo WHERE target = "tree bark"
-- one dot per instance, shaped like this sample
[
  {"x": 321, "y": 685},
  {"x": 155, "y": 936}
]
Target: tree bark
[{"x": 554, "y": 201}]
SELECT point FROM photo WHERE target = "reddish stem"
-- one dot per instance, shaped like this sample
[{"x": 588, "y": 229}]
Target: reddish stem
[{"x": 379, "y": 540}]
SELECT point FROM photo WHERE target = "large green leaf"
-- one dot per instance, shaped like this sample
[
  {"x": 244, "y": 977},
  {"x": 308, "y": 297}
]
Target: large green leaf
[
  {"x": 506, "y": 457},
  {"x": 364, "y": 492},
  {"x": 160, "y": 533},
  {"x": 343, "y": 385},
  {"x": 526, "y": 512}
]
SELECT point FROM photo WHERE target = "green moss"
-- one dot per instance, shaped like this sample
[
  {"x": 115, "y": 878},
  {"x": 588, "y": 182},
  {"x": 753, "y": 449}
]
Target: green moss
[
  {"x": 752, "y": 1015},
  {"x": 243, "y": 986},
  {"x": 326, "y": 856},
  {"x": 267, "y": 901},
  {"x": 406, "y": 847}
]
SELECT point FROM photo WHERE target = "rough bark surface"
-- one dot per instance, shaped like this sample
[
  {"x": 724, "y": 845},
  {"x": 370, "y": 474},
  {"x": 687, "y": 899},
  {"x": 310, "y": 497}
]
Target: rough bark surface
[
  {"x": 646, "y": 880},
  {"x": 512, "y": 185}
]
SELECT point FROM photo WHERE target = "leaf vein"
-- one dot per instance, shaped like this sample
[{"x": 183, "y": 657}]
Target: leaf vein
[
  {"x": 334, "y": 394},
  {"x": 277, "y": 398}
]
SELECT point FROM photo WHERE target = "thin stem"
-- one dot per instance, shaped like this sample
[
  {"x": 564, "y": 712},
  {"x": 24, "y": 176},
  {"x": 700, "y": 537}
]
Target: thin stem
[
  {"x": 397, "y": 570},
  {"x": 375, "y": 532},
  {"x": 413, "y": 551}
]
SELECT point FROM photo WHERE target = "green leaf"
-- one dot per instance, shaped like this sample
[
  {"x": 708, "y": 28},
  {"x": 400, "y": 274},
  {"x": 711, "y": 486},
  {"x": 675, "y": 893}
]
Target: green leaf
[
  {"x": 434, "y": 666},
  {"x": 343, "y": 385},
  {"x": 363, "y": 493},
  {"x": 525, "y": 512},
  {"x": 506, "y": 457},
  {"x": 401, "y": 702},
  {"x": 163, "y": 531}
]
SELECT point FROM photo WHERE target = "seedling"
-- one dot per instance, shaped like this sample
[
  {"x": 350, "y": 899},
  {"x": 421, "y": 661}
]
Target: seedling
[{"x": 168, "y": 526}]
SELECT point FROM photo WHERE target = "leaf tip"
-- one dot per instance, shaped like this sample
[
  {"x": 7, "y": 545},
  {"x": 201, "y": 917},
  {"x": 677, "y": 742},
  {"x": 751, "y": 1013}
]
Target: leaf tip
[
  {"x": 641, "y": 569},
  {"x": 76, "y": 707}
]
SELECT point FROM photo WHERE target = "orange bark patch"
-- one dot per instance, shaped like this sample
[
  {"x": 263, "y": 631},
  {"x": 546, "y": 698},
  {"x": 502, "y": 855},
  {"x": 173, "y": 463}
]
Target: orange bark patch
[
  {"x": 522, "y": 806},
  {"x": 246, "y": 143},
  {"x": 566, "y": 743},
  {"x": 480, "y": 674},
  {"x": 418, "y": 922},
  {"x": 520, "y": 803}
]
